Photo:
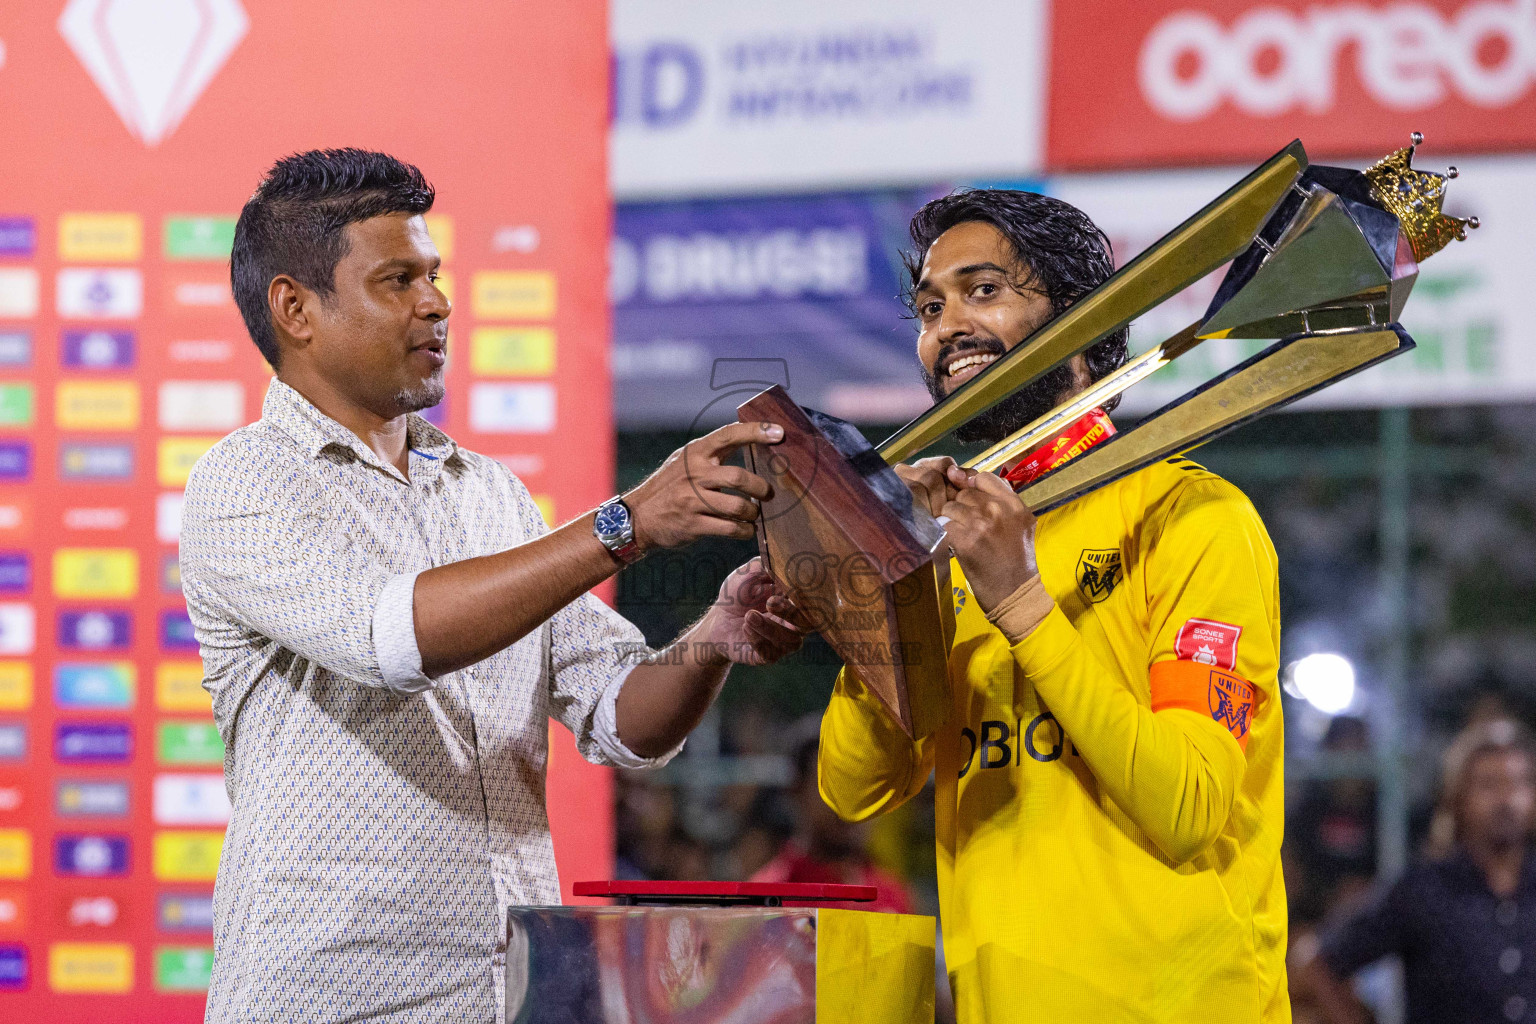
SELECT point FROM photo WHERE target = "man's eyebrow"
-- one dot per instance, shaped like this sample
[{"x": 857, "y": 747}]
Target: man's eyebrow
[
  {"x": 926, "y": 284},
  {"x": 407, "y": 263},
  {"x": 976, "y": 268}
]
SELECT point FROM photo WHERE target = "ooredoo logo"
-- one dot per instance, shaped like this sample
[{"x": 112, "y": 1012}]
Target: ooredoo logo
[
  {"x": 1407, "y": 57},
  {"x": 153, "y": 58}
]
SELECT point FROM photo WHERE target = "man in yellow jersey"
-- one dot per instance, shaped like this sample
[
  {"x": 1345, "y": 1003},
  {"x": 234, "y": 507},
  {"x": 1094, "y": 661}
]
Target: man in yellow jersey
[{"x": 1109, "y": 787}]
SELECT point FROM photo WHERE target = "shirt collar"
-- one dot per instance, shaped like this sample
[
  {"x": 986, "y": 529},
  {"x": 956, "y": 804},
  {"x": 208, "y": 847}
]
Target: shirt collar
[{"x": 293, "y": 414}]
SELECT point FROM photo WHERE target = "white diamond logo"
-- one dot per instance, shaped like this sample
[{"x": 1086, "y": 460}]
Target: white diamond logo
[{"x": 152, "y": 59}]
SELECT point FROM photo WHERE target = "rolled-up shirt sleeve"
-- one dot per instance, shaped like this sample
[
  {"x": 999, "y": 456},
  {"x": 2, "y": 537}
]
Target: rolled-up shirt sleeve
[
  {"x": 394, "y": 636},
  {"x": 592, "y": 650},
  {"x": 260, "y": 549}
]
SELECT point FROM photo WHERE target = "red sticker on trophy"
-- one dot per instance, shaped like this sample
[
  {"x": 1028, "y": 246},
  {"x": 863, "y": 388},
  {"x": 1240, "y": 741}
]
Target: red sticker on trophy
[{"x": 1208, "y": 643}]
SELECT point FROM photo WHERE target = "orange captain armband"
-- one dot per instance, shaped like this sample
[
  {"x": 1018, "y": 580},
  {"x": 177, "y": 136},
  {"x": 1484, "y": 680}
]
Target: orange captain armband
[{"x": 1226, "y": 697}]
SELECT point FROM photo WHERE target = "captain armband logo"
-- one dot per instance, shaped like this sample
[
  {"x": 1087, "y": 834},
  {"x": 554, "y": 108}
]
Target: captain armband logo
[{"x": 1227, "y": 698}]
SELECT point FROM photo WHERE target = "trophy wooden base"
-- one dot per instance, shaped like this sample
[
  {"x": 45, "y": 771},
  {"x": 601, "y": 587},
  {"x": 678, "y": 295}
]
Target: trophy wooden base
[{"x": 841, "y": 537}]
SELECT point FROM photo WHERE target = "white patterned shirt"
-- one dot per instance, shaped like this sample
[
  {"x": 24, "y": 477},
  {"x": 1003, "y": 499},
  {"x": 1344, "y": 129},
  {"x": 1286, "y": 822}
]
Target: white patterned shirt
[{"x": 383, "y": 821}]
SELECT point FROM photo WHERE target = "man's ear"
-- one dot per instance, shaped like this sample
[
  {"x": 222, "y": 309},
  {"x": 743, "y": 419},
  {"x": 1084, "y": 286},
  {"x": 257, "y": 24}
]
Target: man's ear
[
  {"x": 1082, "y": 377},
  {"x": 291, "y": 305}
]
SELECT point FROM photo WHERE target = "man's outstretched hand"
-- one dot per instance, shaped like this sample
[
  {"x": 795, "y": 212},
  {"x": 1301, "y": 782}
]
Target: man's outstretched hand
[
  {"x": 751, "y": 622},
  {"x": 690, "y": 496}
]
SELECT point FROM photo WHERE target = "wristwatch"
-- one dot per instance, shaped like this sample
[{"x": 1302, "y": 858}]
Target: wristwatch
[{"x": 614, "y": 526}]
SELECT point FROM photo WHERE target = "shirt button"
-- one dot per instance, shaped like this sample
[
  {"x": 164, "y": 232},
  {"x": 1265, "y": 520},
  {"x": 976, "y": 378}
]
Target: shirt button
[
  {"x": 1509, "y": 960},
  {"x": 1507, "y": 912},
  {"x": 1514, "y": 1007}
]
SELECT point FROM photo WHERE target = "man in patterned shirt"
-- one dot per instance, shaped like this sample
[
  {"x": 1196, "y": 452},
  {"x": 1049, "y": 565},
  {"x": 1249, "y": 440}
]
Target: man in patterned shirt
[{"x": 386, "y": 625}]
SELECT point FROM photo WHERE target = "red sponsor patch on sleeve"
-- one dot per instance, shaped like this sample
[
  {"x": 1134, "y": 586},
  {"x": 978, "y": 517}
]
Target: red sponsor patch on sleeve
[{"x": 1207, "y": 642}]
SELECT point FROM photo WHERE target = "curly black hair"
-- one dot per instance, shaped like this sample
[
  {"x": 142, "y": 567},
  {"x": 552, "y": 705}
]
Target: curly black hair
[{"x": 1063, "y": 251}]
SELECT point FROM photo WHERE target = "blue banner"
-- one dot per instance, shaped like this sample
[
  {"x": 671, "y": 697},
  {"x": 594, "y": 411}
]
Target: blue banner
[{"x": 712, "y": 297}]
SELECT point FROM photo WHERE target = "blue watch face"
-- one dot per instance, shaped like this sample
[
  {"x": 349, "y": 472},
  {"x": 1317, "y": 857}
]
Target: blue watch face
[{"x": 612, "y": 520}]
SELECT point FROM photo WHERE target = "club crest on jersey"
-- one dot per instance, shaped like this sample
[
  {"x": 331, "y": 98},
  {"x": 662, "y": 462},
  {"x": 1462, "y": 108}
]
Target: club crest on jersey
[
  {"x": 1207, "y": 642},
  {"x": 1098, "y": 571},
  {"x": 1231, "y": 702}
]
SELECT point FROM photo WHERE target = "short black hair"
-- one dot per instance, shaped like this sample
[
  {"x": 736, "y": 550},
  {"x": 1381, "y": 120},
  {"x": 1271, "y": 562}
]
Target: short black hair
[
  {"x": 293, "y": 224},
  {"x": 1066, "y": 252}
]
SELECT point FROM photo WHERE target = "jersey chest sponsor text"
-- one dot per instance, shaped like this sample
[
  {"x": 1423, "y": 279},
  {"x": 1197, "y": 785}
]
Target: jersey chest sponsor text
[{"x": 1010, "y": 743}]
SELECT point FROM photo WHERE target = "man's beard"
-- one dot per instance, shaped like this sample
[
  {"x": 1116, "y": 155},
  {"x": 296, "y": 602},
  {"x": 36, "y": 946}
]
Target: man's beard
[
  {"x": 423, "y": 396},
  {"x": 1013, "y": 413}
]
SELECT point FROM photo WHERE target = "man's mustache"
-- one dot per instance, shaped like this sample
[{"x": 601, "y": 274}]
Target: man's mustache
[{"x": 971, "y": 346}]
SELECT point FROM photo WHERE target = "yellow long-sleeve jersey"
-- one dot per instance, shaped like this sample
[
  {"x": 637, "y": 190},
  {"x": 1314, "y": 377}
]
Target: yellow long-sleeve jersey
[{"x": 1109, "y": 787}]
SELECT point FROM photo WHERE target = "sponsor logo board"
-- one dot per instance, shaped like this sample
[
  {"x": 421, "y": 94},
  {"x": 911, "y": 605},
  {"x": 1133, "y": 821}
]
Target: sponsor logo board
[
  {"x": 96, "y": 461},
  {"x": 91, "y": 911},
  {"x": 15, "y": 968},
  {"x": 108, "y": 685},
  {"x": 179, "y": 687},
  {"x": 188, "y": 743},
  {"x": 110, "y": 517},
  {"x": 15, "y": 572},
  {"x": 15, "y": 461},
  {"x": 90, "y": 967},
  {"x": 15, "y": 685},
  {"x": 97, "y": 405},
  {"x": 513, "y": 294},
  {"x": 98, "y": 350},
  {"x": 16, "y": 405},
  {"x": 15, "y": 348},
  {"x": 176, "y": 632},
  {"x": 168, "y": 519},
  {"x": 184, "y": 913},
  {"x": 18, "y": 292},
  {"x": 512, "y": 351},
  {"x": 199, "y": 238},
  {"x": 93, "y": 743},
  {"x": 114, "y": 237},
  {"x": 191, "y": 800},
  {"x": 95, "y": 572},
  {"x": 201, "y": 405},
  {"x": 15, "y": 853},
  {"x": 91, "y": 856},
  {"x": 186, "y": 856},
  {"x": 183, "y": 968},
  {"x": 18, "y": 628},
  {"x": 512, "y": 408},
  {"x": 18, "y": 236},
  {"x": 90, "y": 798},
  {"x": 177, "y": 456},
  {"x": 95, "y": 630},
  {"x": 13, "y": 741},
  {"x": 99, "y": 293}
]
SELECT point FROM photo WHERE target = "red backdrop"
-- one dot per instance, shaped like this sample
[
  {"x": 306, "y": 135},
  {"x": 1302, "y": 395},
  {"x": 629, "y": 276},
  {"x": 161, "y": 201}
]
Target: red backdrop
[
  {"x": 1189, "y": 81},
  {"x": 134, "y": 132}
]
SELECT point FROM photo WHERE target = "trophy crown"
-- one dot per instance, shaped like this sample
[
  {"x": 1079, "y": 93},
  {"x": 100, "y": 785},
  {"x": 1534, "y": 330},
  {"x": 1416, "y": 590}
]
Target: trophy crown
[{"x": 1414, "y": 197}]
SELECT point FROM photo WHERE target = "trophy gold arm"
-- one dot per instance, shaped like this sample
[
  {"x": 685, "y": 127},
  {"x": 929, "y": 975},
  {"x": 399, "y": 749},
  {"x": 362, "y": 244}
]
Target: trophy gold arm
[{"x": 1322, "y": 260}]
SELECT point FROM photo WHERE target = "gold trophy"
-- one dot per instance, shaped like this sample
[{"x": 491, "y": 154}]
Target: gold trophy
[{"x": 1322, "y": 260}]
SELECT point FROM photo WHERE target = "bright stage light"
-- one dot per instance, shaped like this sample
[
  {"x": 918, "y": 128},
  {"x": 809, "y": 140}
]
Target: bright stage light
[{"x": 1326, "y": 681}]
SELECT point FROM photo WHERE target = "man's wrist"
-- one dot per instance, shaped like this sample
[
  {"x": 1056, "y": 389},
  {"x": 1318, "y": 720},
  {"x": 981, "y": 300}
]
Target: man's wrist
[
  {"x": 707, "y": 652},
  {"x": 1018, "y": 614},
  {"x": 613, "y": 524}
]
